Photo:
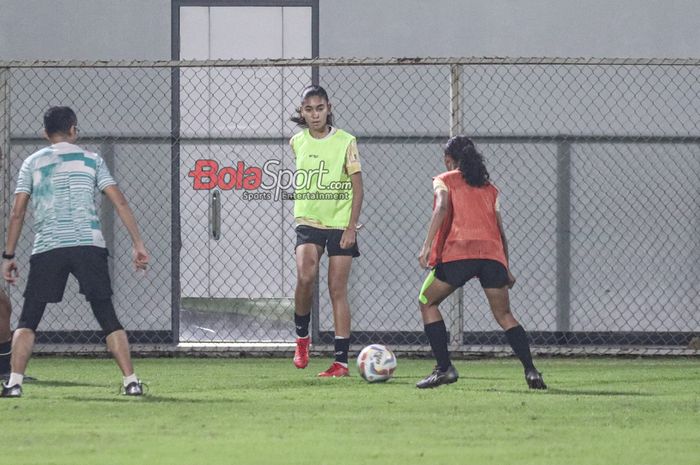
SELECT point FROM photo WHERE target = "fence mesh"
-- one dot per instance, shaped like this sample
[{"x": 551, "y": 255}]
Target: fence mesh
[{"x": 598, "y": 164}]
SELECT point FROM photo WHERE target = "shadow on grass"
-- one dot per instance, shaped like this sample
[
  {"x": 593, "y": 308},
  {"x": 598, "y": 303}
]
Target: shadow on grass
[
  {"x": 571, "y": 392},
  {"x": 484, "y": 378},
  {"x": 54, "y": 383},
  {"x": 152, "y": 398}
]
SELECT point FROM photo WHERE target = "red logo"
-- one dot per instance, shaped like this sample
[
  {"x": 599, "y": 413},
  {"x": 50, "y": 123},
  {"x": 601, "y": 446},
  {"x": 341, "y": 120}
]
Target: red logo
[{"x": 207, "y": 176}]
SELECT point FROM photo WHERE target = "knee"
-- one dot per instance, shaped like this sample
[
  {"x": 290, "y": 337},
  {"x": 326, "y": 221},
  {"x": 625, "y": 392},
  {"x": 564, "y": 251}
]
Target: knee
[
  {"x": 106, "y": 316},
  {"x": 306, "y": 273},
  {"x": 306, "y": 278},
  {"x": 31, "y": 315},
  {"x": 503, "y": 317},
  {"x": 21, "y": 332},
  {"x": 337, "y": 293},
  {"x": 425, "y": 302}
]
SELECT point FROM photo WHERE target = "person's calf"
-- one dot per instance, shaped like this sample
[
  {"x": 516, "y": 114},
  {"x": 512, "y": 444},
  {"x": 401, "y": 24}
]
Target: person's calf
[
  {"x": 430, "y": 313},
  {"x": 22, "y": 345},
  {"x": 118, "y": 345}
]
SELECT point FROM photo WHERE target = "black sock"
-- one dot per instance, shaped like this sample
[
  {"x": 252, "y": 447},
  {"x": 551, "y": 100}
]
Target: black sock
[
  {"x": 437, "y": 335},
  {"x": 517, "y": 338},
  {"x": 5, "y": 352},
  {"x": 342, "y": 346},
  {"x": 302, "y": 324}
]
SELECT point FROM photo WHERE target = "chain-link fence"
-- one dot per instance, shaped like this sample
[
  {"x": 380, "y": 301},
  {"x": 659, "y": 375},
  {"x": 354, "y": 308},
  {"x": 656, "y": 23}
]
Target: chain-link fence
[{"x": 598, "y": 163}]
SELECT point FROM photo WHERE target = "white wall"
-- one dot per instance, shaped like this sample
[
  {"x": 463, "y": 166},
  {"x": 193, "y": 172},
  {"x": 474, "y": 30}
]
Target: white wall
[
  {"x": 140, "y": 29},
  {"x": 569, "y": 28},
  {"x": 84, "y": 29}
]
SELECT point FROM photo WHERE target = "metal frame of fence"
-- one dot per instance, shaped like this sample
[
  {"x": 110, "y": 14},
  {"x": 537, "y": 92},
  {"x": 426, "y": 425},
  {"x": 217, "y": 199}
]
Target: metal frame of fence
[{"x": 560, "y": 341}]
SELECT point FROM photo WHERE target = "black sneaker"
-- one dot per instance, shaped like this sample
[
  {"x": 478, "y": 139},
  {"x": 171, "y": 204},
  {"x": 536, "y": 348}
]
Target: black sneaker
[
  {"x": 534, "y": 379},
  {"x": 438, "y": 377},
  {"x": 11, "y": 391},
  {"x": 134, "y": 389}
]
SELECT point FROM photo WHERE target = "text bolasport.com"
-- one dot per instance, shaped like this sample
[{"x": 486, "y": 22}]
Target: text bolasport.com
[{"x": 268, "y": 182}]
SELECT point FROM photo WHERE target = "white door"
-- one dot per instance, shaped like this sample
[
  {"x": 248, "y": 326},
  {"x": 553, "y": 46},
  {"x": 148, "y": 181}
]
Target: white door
[{"x": 237, "y": 117}]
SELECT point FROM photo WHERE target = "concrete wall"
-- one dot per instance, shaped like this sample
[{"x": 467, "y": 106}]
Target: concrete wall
[
  {"x": 84, "y": 30},
  {"x": 136, "y": 29},
  {"x": 569, "y": 28}
]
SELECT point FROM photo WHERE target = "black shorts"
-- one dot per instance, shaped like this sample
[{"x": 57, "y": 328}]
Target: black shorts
[
  {"x": 329, "y": 238},
  {"x": 491, "y": 274},
  {"x": 48, "y": 273}
]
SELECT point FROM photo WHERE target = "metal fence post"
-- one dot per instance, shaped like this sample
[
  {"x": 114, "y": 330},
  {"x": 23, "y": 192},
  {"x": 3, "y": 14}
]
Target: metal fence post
[
  {"x": 456, "y": 328},
  {"x": 175, "y": 227},
  {"x": 4, "y": 149},
  {"x": 563, "y": 285}
]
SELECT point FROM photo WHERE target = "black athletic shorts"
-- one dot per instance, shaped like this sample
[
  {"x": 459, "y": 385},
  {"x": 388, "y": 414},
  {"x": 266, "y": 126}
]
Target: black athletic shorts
[
  {"x": 491, "y": 274},
  {"x": 329, "y": 238},
  {"x": 48, "y": 273}
]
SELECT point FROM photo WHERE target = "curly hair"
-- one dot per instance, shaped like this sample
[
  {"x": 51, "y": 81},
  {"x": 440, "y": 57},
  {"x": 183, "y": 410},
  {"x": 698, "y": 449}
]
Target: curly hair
[
  {"x": 311, "y": 91},
  {"x": 470, "y": 161}
]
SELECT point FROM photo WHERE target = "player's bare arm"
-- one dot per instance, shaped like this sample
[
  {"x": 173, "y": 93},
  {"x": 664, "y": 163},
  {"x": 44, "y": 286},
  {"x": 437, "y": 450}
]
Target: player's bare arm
[
  {"x": 437, "y": 218},
  {"x": 14, "y": 229},
  {"x": 140, "y": 255}
]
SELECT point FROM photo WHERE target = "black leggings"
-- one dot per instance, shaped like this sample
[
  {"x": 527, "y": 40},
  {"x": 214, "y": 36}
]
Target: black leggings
[{"x": 33, "y": 311}]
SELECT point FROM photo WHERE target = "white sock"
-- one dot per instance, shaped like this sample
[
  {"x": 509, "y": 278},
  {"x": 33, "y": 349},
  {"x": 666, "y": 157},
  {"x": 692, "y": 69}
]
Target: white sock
[
  {"x": 130, "y": 379},
  {"x": 343, "y": 364},
  {"x": 15, "y": 378}
]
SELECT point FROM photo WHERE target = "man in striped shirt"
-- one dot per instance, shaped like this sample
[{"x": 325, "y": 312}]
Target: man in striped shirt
[{"x": 61, "y": 180}]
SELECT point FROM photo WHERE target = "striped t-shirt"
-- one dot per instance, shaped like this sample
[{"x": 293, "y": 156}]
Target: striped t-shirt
[{"x": 61, "y": 180}]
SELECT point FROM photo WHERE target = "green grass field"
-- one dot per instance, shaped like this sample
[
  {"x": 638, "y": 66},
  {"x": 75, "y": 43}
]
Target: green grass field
[{"x": 261, "y": 411}]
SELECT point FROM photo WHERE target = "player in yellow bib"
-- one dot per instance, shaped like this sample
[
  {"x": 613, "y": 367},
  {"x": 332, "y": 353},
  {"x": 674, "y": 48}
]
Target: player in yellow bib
[{"x": 327, "y": 204}]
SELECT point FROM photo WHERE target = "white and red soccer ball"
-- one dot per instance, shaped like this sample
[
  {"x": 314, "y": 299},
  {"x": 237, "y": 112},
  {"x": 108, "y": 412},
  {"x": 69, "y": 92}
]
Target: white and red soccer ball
[{"x": 376, "y": 363}]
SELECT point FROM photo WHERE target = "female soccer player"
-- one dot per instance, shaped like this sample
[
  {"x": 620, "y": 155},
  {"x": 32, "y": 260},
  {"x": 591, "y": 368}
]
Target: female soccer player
[
  {"x": 326, "y": 210},
  {"x": 465, "y": 240}
]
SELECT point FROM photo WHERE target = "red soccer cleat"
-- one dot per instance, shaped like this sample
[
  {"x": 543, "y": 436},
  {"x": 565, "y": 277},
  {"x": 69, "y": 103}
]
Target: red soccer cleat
[
  {"x": 301, "y": 353},
  {"x": 335, "y": 371}
]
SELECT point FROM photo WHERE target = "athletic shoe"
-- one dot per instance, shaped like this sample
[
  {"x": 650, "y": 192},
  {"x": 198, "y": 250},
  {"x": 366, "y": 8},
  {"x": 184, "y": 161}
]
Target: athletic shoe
[
  {"x": 336, "y": 370},
  {"x": 134, "y": 388},
  {"x": 301, "y": 353},
  {"x": 534, "y": 379},
  {"x": 439, "y": 377},
  {"x": 11, "y": 391}
]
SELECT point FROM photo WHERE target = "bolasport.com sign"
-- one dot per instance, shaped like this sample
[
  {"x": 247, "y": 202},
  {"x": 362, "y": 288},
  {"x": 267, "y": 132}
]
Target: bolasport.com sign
[{"x": 269, "y": 182}]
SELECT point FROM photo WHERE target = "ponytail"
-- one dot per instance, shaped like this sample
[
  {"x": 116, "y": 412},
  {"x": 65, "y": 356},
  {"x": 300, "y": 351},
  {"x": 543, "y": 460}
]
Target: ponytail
[{"x": 470, "y": 161}]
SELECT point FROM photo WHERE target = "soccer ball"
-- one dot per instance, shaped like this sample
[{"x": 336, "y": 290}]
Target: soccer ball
[{"x": 376, "y": 363}]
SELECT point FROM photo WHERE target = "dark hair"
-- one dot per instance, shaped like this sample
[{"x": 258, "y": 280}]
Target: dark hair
[
  {"x": 470, "y": 161},
  {"x": 311, "y": 91},
  {"x": 59, "y": 120}
]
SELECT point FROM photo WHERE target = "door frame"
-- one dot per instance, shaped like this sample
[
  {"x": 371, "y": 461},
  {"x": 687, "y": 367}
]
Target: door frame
[{"x": 175, "y": 122}]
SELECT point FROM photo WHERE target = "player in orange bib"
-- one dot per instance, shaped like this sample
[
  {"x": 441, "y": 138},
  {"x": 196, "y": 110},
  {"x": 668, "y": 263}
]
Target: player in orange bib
[{"x": 466, "y": 240}]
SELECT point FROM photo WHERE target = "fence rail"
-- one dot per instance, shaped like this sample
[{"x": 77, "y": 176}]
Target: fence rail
[{"x": 296, "y": 62}]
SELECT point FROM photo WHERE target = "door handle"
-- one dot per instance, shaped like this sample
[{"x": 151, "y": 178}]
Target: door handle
[{"x": 215, "y": 215}]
